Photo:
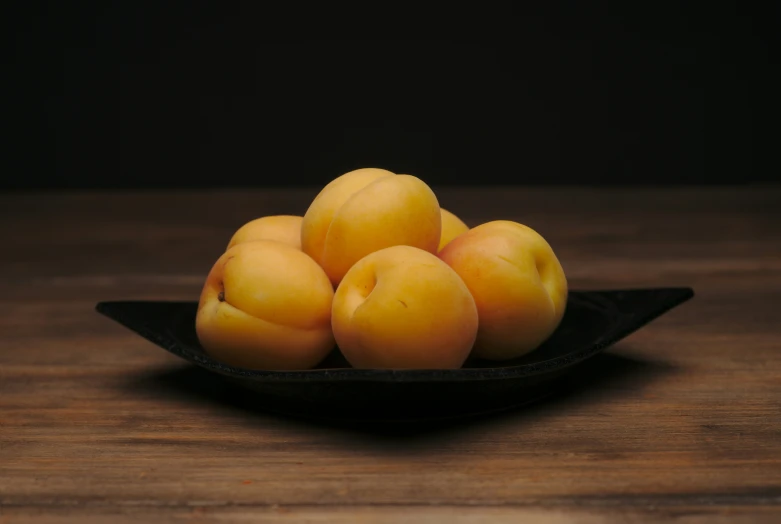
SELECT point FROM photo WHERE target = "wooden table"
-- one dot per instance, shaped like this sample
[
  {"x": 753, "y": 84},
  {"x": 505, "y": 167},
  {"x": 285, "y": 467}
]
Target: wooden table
[{"x": 681, "y": 421}]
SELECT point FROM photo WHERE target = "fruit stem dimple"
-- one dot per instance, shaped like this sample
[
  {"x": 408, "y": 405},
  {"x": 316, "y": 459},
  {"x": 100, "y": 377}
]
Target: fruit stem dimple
[{"x": 369, "y": 286}]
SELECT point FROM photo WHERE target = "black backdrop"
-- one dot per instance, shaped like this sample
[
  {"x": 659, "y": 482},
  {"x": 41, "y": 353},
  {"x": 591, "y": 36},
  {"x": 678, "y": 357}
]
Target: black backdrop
[{"x": 142, "y": 94}]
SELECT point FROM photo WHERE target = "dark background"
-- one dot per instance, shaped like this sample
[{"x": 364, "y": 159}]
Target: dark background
[{"x": 143, "y": 94}]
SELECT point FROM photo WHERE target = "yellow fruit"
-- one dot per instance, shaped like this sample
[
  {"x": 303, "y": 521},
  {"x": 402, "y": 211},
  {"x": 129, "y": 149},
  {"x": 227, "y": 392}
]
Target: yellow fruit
[
  {"x": 452, "y": 226},
  {"x": 280, "y": 228},
  {"x": 402, "y": 307},
  {"x": 266, "y": 305},
  {"x": 367, "y": 210},
  {"x": 517, "y": 282}
]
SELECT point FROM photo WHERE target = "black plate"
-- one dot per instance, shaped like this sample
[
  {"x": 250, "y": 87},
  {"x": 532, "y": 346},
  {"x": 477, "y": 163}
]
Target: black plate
[{"x": 594, "y": 320}]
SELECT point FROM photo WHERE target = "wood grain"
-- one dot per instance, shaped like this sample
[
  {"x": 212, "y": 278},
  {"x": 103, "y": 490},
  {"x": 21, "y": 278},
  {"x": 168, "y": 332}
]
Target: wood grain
[{"x": 681, "y": 421}]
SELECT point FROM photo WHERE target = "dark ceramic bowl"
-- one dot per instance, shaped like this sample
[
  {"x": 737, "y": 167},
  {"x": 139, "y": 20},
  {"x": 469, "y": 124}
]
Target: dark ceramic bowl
[{"x": 594, "y": 320}]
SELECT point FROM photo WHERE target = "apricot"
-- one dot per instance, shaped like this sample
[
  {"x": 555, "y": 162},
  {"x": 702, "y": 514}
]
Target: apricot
[
  {"x": 402, "y": 307},
  {"x": 452, "y": 226},
  {"x": 321, "y": 211},
  {"x": 364, "y": 211},
  {"x": 280, "y": 228},
  {"x": 266, "y": 305},
  {"x": 517, "y": 282}
]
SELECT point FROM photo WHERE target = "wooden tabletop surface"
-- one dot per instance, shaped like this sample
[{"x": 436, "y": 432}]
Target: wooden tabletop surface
[{"x": 680, "y": 421}]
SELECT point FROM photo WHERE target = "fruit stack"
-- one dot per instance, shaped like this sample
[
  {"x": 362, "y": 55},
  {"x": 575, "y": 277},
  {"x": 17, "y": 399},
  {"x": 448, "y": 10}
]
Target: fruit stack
[{"x": 378, "y": 269}]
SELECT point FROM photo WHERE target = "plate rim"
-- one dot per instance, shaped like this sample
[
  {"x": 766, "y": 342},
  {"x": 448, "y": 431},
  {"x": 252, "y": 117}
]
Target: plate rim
[{"x": 617, "y": 332}]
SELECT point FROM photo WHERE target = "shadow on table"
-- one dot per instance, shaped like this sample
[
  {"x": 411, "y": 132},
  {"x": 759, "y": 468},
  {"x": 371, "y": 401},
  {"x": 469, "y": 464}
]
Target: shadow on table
[{"x": 601, "y": 378}]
